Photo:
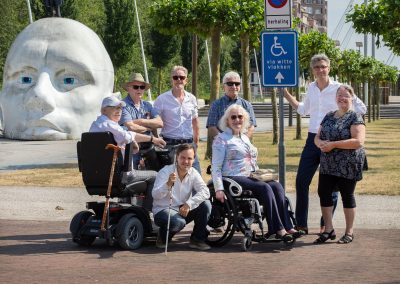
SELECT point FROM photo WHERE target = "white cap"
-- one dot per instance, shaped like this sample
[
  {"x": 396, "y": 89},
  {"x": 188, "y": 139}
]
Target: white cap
[{"x": 112, "y": 101}]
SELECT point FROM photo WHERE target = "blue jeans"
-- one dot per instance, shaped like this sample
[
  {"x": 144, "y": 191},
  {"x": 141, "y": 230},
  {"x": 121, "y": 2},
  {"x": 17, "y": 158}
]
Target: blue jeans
[
  {"x": 200, "y": 216},
  {"x": 308, "y": 165}
]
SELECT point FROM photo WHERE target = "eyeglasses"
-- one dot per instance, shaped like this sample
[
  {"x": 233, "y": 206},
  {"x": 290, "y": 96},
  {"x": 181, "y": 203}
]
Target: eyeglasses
[
  {"x": 320, "y": 67},
  {"x": 240, "y": 116},
  {"x": 135, "y": 87},
  {"x": 230, "y": 84},
  {"x": 179, "y": 77}
]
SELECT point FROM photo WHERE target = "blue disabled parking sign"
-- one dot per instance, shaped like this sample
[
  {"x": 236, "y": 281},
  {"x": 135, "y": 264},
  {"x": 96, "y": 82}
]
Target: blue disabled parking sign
[{"x": 279, "y": 58}]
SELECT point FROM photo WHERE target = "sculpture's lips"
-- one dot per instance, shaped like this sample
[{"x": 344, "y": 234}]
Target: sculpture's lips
[{"x": 44, "y": 123}]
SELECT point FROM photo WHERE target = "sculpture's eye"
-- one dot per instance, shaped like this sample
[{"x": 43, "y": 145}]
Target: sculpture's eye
[
  {"x": 26, "y": 80},
  {"x": 69, "y": 80}
]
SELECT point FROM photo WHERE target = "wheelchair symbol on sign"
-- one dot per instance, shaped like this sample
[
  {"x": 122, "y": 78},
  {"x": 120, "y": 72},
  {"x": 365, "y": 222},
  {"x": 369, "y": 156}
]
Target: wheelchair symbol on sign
[{"x": 276, "y": 48}]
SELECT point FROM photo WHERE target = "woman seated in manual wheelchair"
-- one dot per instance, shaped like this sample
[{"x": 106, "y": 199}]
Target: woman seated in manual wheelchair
[{"x": 234, "y": 157}]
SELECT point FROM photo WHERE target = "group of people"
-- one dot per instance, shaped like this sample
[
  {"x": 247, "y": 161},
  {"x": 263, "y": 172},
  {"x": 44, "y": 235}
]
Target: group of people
[{"x": 335, "y": 143}]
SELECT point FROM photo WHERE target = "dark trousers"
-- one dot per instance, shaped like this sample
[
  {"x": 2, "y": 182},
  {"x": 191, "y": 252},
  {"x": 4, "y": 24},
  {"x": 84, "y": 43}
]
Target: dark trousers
[
  {"x": 328, "y": 183},
  {"x": 308, "y": 165},
  {"x": 199, "y": 215},
  {"x": 271, "y": 195}
]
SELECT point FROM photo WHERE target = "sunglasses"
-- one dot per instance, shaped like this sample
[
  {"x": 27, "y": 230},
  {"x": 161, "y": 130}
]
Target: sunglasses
[
  {"x": 233, "y": 117},
  {"x": 135, "y": 87},
  {"x": 230, "y": 84},
  {"x": 178, "y": 77},
  {"x": 320, "y": 67}
]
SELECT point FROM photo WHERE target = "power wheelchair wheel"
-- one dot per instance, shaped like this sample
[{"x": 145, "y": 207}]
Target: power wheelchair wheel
[
  {"x": 222, "y": 222},
  {"x": 77, "y": 222},
  {"x": 130, "y": 232}
]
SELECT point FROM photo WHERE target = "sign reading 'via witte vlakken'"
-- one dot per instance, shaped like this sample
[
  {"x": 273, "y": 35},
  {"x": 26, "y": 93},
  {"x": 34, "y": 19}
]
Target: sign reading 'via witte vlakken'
[{"x": 279, "y": 58}]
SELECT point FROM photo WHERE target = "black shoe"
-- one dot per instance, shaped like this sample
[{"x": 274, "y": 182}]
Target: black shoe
[
  {"x": 325, "y": 236},
  {"x": 286, "y": 237},
  {"x": 304, "y": 229},
  {"x": 298, "y": 234}
]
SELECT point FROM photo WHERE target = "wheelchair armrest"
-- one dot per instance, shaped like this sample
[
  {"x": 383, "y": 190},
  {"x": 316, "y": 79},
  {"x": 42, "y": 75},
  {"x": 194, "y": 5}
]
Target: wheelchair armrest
[{"x": 234, "y": 188}]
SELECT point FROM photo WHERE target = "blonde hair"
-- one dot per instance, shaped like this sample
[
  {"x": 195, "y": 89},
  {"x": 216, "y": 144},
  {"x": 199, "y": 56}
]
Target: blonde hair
[{"x": 223, "y": 122}]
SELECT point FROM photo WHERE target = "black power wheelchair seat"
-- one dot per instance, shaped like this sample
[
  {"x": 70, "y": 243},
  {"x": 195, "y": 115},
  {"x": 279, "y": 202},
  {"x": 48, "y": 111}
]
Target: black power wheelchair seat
[{"x": 126, "y": 223}]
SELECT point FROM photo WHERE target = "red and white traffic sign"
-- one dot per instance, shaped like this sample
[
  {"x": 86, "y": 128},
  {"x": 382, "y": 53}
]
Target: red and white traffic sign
[{"x": 278, "y": 14}]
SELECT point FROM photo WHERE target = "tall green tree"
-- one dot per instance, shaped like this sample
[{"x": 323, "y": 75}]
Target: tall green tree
[
  {"x": 162, "y": 48},
  {"x": 120, "y": 35},
  {"x": 380, "y": 18},
  {"x": 14, "y": 18},
  {"x": 246, "y": 21}
]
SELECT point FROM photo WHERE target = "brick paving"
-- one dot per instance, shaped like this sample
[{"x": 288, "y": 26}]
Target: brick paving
[{"x": 42, "y": 252}]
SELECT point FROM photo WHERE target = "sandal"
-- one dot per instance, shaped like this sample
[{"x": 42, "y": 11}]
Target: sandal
[
  {"x": 325, "y": 236},
  {"x": 286, "y": 237},
  {"x": 347, "y": 238}
]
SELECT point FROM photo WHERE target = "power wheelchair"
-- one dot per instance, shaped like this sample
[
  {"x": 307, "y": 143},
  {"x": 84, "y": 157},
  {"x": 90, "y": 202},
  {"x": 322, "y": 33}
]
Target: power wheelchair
[
  {"x": 128, "y": 222},
  {"x": 242, "y": 212}
]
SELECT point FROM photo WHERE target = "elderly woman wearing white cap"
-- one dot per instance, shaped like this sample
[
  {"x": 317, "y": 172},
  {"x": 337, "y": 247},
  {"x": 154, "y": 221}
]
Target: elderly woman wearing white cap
[{"x": 111, "y": 109}]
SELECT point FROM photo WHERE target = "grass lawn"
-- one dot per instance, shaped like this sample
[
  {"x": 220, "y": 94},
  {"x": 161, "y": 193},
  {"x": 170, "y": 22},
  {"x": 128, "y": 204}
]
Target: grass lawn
[{"x": 382, "y": 145}]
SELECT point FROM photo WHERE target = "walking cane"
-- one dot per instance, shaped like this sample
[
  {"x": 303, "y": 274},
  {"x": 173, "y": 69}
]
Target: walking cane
[
  {"x": 169, "y": 213},
  {"x": 169, "y": 220},
  {"x": 107, "y": 204}
]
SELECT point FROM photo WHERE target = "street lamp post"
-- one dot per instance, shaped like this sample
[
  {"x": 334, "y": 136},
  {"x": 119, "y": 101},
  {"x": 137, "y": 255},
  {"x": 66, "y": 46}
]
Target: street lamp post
[{"x": 359, "y": 44}]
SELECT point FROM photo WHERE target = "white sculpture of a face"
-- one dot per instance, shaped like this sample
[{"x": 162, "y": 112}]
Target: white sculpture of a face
[{"x": 56, "y": 74}]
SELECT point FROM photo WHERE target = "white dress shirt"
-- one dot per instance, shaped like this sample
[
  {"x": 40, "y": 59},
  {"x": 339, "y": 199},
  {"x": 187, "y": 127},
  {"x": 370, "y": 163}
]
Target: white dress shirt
[
  {"x": 318, "y": 103},
  {"x": 177, "y": 117},
  {"x": 121, "y": 136},
  {"x": 192, "y": 190}
]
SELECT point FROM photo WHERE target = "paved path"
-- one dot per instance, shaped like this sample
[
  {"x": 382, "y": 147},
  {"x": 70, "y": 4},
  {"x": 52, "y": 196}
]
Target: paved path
[{"x": 35, "y": 244}]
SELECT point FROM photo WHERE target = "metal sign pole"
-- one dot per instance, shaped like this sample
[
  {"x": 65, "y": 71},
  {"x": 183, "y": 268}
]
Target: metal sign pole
[{"x": 282, "y": 154}]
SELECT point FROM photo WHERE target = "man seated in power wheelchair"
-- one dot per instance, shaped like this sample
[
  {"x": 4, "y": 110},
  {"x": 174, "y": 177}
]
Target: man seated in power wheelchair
[
  {"x": 238, "y": 199},
  {"x": 119, "y": 221}
]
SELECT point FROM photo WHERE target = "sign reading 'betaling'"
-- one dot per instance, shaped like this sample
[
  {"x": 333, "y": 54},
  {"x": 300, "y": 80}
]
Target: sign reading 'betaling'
[{"x": 278, "y": 14}]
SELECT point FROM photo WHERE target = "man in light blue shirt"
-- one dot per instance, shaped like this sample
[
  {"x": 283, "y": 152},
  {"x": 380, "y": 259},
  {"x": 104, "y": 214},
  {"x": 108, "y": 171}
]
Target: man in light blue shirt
[
  {"x": 139, "y": 115},
  {"x": 232, "y": 84}
]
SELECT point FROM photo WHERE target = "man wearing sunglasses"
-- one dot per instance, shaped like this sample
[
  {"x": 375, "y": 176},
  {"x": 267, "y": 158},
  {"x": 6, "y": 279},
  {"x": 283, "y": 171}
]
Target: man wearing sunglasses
[
  {"x": 138, "y": 115},
  {"x": 232, "y": 84},
  {"x": 179, "y": 112}
]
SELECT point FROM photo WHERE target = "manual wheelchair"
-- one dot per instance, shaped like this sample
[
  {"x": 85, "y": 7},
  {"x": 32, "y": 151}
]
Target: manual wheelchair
[
  {"x": 242, "y": 212},
  {"x": 128, "y": 221}
]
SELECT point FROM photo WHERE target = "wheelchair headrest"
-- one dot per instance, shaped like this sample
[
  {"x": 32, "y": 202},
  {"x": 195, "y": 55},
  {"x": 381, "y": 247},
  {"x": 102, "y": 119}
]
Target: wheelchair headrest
[{"x": 95, "y": 163}]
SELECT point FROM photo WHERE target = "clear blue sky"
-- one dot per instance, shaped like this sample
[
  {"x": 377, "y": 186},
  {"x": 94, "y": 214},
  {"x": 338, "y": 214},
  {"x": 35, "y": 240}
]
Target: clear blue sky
[{"x": 336, "y": 9}]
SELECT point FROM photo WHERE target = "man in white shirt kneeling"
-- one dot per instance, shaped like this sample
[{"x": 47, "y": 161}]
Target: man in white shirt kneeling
[{"x": 189, "y": 203}]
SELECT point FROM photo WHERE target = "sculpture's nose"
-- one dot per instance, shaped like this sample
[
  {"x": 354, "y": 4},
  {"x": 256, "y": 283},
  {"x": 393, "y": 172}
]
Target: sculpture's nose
[{"x": 41, "y": 96}]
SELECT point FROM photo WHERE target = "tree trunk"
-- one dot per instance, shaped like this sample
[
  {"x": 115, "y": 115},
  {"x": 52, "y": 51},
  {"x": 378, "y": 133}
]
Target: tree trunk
[
  {"x": 245, "y": 57},
  {"x": 378, "y": 100},
  {"x": 194, "y": 65},
  {"x": 215, "y": 77},
  {"x": 298, "y": 118},
  {"x": 159, "y": 81},
  {"x": 369, "y": 101},
  {"x": 274, "y": 117},
  {"x": 290, "y": 123}
]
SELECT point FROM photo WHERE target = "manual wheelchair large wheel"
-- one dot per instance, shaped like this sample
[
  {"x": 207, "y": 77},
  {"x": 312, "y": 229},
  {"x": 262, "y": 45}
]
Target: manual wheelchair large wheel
[
  {"x": 130, "y": 232},
  {"x": 77, "y": 222},
  {"x": 222, "y": 222}
]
